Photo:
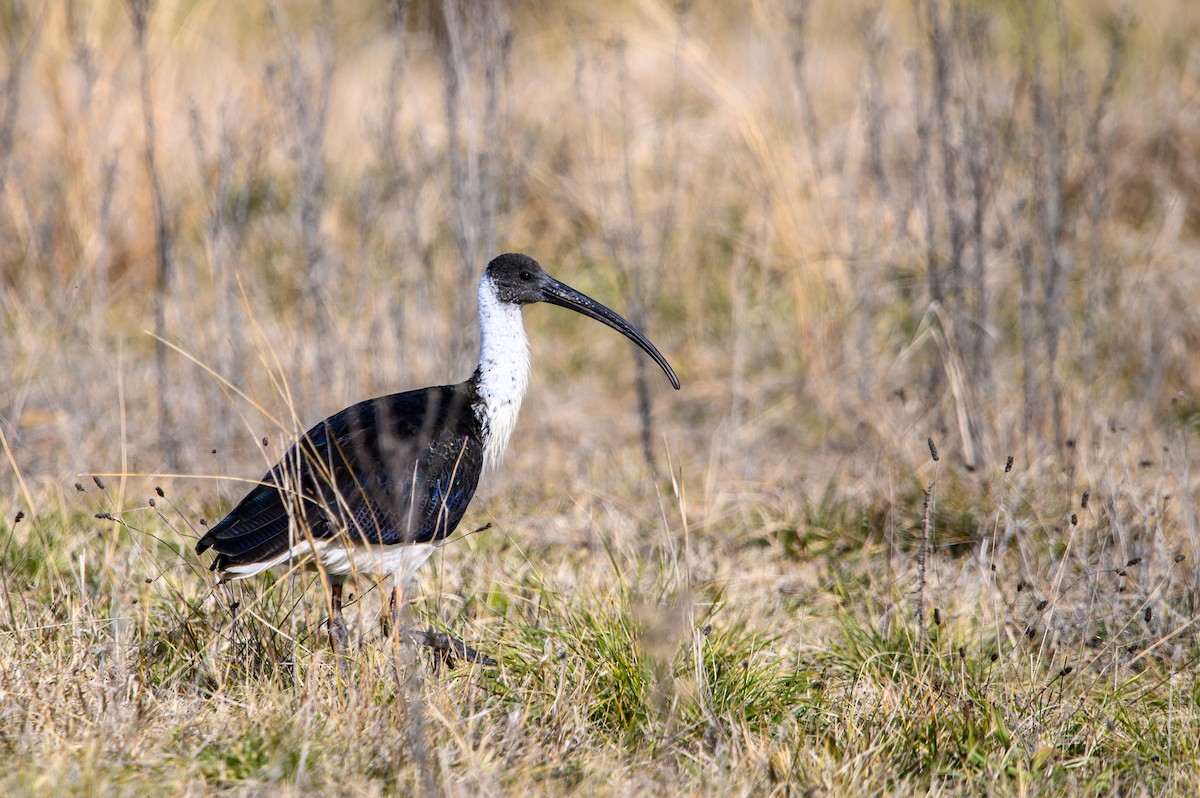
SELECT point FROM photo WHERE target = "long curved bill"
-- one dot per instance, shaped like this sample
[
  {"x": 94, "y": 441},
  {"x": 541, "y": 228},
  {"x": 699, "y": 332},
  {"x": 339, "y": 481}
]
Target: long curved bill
[{"x": 565, "y": 296}]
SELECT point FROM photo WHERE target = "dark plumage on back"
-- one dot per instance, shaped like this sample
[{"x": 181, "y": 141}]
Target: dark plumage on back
[{"x": 395, "y": 469}]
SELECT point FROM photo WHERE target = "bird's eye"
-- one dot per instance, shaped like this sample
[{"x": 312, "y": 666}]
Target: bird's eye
[{"x": 526, "y": 276}]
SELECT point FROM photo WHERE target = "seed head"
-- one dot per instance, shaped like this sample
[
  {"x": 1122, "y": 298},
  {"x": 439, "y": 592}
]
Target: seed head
[
  {"x": 933, "y": 452},
  {"x": 99, "y": 482},
  {"x": 1133, "y": 562},
  {"x": 1083, "y": 502},
  {"x": 1008, "y": 465}
]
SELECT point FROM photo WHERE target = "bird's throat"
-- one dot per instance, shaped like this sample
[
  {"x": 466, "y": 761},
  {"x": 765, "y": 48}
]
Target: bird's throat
[{"x": 503, "y": 370}]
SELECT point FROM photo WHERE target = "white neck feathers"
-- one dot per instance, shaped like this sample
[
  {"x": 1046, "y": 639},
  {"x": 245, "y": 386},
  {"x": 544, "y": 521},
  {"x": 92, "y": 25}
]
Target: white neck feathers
[{"x": 503, "y": 370}]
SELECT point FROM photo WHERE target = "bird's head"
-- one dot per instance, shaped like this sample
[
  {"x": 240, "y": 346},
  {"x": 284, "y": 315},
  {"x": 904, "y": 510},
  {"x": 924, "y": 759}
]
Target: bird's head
[{"x": 521, "y": 280}]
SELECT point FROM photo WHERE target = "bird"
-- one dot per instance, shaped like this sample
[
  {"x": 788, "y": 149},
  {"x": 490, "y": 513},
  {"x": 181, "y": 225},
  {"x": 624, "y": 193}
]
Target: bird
[{"x": 375, "y": 487}]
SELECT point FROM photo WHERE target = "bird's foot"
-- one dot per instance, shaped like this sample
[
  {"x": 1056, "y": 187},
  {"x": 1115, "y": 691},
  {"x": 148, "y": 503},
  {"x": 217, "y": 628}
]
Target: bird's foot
[{"x": 449, "y": 647}]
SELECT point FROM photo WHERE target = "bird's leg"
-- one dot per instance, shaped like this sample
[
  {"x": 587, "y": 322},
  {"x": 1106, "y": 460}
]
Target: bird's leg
[
  {"x": 388, "y": 617},
  {"x": 449, "y": 647},
  {"x": 339, "y": 637}
]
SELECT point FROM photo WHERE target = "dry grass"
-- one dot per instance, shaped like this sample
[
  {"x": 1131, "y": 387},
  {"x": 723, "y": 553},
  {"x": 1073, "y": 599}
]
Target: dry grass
[{"x": 850, "y": 230}]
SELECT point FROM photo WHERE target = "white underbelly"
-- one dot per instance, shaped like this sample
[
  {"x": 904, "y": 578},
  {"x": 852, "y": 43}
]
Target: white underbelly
[{"x": 343, "y": 558}]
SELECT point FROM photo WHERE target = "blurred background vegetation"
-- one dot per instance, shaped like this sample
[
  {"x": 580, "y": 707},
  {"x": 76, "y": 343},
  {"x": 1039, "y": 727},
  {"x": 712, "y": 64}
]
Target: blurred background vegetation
[{"x": 851, "y": 225}]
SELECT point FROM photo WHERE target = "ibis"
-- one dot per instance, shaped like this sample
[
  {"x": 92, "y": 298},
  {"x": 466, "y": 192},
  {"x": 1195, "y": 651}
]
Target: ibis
[{"x": 373, "y": 489}]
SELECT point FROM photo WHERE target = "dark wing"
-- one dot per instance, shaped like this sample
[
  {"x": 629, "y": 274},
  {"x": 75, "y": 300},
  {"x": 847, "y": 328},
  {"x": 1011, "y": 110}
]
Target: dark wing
[{"x": 396, "y": 469}]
